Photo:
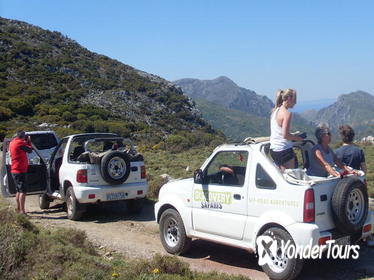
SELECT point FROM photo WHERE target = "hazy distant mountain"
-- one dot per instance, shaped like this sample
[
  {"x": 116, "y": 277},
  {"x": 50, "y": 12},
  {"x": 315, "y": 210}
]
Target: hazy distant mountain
[
  {"x": 237, "y": 111},
  {"x": 235, "y": 124},
  {"x": 225, "y": 92},
  {"x": 309, "y": 114},
  {"x": 355, "y": 109}
]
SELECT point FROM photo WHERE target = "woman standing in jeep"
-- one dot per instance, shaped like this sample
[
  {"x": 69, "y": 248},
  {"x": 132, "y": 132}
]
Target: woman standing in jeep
[{"x": 280, "y": 122}]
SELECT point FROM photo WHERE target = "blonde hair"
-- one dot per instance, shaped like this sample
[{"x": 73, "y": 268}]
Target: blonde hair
[{"x": 283, "y": 95}]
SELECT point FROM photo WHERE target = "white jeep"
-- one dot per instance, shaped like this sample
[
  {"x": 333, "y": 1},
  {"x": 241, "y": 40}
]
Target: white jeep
[
  {"x": 85, "y": 169},
  {"x": 239, "y": 195}
]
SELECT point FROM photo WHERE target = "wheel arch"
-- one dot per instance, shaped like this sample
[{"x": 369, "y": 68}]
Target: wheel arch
[
  {"x": 66, "y": 185},
  {"x": 270, "y": 225},
  {"x": 163, "y": 208}
]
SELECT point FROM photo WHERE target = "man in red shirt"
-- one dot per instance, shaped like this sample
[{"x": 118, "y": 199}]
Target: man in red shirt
[{"x": 18, "y": 148}]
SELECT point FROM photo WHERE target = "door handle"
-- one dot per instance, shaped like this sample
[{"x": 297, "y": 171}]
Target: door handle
[{"x": 237, "y": 196}]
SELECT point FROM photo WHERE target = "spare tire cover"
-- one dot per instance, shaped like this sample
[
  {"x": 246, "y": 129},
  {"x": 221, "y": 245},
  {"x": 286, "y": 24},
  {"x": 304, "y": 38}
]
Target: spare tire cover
[
  {"x": 350, "y": 205},
  {"x": 115, "y": 167}
]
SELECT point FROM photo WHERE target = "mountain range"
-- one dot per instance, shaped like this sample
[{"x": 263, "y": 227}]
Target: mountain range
[
  {"x": 47, "y": 78},
  {"x": 355, "y": 109},
  {"x": 225, "y": 92},
  {"x": 236, "y": 111}
]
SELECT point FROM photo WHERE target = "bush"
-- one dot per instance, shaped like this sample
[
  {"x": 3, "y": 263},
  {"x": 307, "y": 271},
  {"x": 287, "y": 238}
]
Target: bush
[
  {"x": 68, "y": 116},
  {"x": 177, "y": 143},
  {"x": 20, "y": 106},
  {"x": 155, "y": 184},
  {"x": 5, "y": 113}
]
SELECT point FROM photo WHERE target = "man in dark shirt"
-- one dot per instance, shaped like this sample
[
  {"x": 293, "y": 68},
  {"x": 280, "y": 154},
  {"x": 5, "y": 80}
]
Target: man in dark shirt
[
  {"x": 18, "y": 148},
  {"x": 350, "y": 154}
]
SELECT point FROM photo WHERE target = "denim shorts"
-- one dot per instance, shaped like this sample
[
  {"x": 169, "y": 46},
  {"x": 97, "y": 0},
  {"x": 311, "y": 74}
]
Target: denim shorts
[{"x": 282, "y": 157}]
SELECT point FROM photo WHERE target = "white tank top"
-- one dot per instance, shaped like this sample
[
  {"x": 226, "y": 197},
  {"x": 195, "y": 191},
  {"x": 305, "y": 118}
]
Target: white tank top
[{"x": 277, "y": 141}]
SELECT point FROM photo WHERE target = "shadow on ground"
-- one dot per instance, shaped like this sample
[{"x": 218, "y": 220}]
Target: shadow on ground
[{"x": 101, "y": 213}]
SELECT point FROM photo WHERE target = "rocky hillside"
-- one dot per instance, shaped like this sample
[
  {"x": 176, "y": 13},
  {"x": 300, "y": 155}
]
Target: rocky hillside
[
  {"x": 236, "y": 111},
  {"x": 48, "y": 78},
  {"x": 355, "y": 109},
  {"x": 225, "y": 92}
]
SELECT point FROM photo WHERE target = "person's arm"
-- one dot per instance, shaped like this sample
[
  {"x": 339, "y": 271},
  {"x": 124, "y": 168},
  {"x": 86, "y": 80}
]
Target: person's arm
[
  {"x": 363, "y": 167},
  {"x": 363, "y": 164},
  {"x": 341, "y": 165},
  {"x": 27, "y": 147},
  {"x": 325, "y": 164},
  {"x": 286, "y": 124}
]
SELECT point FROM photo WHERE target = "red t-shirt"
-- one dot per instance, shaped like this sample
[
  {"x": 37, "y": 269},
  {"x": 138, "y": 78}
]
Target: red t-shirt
[{"x": 20, "y": 162}]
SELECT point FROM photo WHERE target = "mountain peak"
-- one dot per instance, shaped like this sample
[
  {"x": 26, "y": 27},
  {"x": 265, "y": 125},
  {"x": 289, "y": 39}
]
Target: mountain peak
[
  {"x": 354, "y": 109},
  {"x": 223, "y": 91},
  {"x": 223, "y": 79}
]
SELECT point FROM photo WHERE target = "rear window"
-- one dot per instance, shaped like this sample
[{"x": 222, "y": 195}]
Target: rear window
[{"x": 44, "y": 141}]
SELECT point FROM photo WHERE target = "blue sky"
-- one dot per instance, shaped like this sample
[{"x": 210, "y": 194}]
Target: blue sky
[{"x": 320, "y": 48}]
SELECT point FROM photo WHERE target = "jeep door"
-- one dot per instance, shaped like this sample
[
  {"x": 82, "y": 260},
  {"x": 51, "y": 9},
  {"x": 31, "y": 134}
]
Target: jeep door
[
  {"x": 220, "y": 203},
  {"x": 36, "y": 174}
]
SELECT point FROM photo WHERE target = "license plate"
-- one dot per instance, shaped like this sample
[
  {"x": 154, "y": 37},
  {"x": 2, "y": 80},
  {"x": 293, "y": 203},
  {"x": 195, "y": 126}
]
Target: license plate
[
  {"x": 346, "y": 240},
  {"x": 115, "y": 196}
]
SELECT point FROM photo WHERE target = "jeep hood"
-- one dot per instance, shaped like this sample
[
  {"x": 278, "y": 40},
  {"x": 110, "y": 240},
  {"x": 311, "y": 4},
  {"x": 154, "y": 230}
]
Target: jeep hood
[{"x": 181, "y": 188}]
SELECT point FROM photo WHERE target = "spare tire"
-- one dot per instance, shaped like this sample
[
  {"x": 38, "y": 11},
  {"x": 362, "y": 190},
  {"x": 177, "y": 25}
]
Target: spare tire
[
  {"x": 115, "y": 167},
  {"x": 350, "y": 205}
]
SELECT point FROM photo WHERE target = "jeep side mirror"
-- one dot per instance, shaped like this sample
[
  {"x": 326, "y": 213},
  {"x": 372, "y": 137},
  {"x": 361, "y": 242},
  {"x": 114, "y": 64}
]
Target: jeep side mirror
[{"x": 198, "y": 177}]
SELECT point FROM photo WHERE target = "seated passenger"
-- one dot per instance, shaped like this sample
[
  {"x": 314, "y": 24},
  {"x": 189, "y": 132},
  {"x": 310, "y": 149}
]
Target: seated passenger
[
  {"x": 350, "y": 154},
  {"x": 323, "y": 158}
]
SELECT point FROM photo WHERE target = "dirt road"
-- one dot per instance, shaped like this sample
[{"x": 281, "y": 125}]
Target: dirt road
[{"x": 137, "y": 237}]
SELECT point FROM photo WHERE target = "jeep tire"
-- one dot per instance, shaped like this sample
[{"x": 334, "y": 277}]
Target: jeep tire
[
  {"x": 350, "y": 205},
  {"x": 282, "y": 267},
  {"x": 115, "y": 167},
  {"x": 73, "y": 208},
  {"x": 172, "y": 233},
  {"x": 44, "y": 201}
]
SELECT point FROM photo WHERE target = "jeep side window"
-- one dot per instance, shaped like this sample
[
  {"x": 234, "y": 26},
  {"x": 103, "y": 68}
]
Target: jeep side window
[
  {"x": 75, "y": 150},
  {"x": 263, "y": 180},
  {"x": 227, "y": 168}
]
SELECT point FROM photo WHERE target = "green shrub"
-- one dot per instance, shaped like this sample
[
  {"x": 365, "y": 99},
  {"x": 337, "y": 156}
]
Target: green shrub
[
  {"x": 68, "y": 116},
  {"x": 155, "y": 184},
  {"x": 5, "y": 113},
  {"x": 20, "y": 106}
]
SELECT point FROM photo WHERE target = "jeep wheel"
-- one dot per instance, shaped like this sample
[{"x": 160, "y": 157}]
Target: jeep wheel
[
  {"x": 115, "y": 167},
  {"x": 280, "y": 266},
  {"x": 350, "y": 205},
  {"x": 44, "y": 201},
  {"x": 73, "y": 207},
  {"x": 135, "y": 206},
  {"x": 172, "y": 233}
]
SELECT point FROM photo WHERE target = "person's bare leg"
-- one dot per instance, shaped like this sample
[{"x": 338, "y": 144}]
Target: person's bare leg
[
  {"x": 22, "y": 202},
  {"x": 18, "y": 202}
]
